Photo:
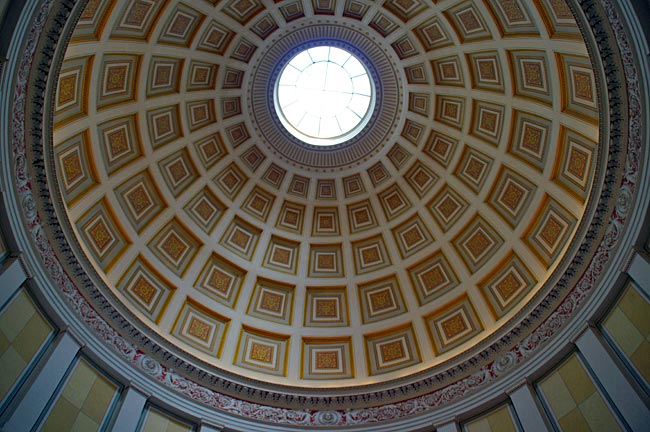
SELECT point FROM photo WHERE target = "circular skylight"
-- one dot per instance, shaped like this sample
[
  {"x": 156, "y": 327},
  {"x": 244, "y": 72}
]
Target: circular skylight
[{"x": 324, "y": 96}]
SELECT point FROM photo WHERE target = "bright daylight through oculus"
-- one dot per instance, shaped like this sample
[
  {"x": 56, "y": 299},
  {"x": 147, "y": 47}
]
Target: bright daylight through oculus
[{"x": 324, "y": 96}]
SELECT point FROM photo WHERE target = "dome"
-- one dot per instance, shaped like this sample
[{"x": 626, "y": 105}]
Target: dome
[
  {"x": 255, "y": 266},
  {"x": 396, "y": 251}
]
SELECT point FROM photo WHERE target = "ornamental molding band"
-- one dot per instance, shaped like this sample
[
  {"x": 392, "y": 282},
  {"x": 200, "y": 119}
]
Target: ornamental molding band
[{"x": 239, "y": 269}]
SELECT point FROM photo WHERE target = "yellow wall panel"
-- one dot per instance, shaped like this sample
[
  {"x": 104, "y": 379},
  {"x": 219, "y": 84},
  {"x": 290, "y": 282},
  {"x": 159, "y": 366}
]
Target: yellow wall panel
[
  {"x": 23, "y": 331},
  {"x": 158, "y": 421},
  {"x": 498, "y": 420},
  {"x": 628, "y": 324},
  {"x": 574, "y": 401},
  {"x": 83, "y": 403}
]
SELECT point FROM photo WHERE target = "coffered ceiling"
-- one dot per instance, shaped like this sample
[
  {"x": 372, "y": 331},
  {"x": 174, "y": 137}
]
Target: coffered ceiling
[{"x": 273, "y": 260}]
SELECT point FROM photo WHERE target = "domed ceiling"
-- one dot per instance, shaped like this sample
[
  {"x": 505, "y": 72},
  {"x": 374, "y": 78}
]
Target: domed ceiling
[{"x": 248, "y": 252}]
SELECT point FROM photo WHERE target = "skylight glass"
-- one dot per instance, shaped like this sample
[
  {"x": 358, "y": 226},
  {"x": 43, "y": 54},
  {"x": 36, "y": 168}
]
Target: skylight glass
[{"x": 324, "y": 96}]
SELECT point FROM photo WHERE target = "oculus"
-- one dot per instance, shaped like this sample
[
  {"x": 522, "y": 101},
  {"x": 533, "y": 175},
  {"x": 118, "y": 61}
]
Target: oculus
[{"x": 324, "y": 96}]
